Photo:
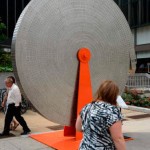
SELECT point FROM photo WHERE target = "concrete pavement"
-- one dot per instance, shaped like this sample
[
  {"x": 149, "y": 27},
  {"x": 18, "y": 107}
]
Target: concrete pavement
[
  {"x": 37, "y": 124},
  {"x": 139, "y": 129}
]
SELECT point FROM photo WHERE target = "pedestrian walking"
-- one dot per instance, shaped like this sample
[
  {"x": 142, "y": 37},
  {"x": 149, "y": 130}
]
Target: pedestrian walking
[
  {"x": 13, "y": 110},
  {"x": 14, "y": 124}
]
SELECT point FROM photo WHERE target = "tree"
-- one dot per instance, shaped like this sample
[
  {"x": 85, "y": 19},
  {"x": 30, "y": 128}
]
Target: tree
[
  {"x": 2, "y": 29},
  {"x": 5, "y": 57}
]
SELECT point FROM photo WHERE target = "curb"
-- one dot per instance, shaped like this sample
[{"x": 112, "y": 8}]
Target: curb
[{"x": 140, "y": 109}]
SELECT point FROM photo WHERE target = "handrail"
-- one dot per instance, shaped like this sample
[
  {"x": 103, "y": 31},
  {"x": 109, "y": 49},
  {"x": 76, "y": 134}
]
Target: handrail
[{"x": 139, "y": 80}]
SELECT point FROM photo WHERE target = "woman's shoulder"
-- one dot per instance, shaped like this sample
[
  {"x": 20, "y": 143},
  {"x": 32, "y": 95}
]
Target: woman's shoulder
[
  {"x": 87, "y": 106},
  {"x": 107, "y": 106}
]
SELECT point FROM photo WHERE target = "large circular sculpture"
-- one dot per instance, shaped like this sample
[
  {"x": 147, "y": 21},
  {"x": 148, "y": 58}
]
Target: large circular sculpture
[{"x": 46, "y": 40}]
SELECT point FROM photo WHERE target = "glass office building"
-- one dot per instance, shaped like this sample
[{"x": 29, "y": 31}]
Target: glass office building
[
  {"x": 10, "y": 10},
  {"x": 137, "y": 13}
]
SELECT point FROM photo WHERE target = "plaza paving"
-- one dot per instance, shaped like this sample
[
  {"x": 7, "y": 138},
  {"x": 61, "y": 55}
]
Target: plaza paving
[{"x": 136, "y": 127}]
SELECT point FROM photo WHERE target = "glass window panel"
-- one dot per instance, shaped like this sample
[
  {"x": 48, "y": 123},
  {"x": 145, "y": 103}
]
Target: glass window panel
[
  {"x": 116, "y": 1},
  {"x": 148, "y": 10},
  {"x": 11, "y": 17},
  {"x": 134, "y": 13},
  {"x": 26, "y": 2},
  {"x": 18, "y": 8},
  {"x": 144, "y": 11},
  {"x": 3, "y": 11},
  {"x": 124, "y": 7}
]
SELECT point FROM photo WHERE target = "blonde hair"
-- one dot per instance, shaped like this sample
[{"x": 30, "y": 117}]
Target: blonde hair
[{"x": 107, "y": 92}]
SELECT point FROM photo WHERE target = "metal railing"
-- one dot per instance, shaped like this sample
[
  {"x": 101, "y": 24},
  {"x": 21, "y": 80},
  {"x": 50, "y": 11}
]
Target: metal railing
[{"x": 138, "y": 80}]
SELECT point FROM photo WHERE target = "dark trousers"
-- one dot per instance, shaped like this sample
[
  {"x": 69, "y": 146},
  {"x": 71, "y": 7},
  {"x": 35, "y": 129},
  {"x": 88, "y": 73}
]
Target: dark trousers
[{"x": 12, "y": 110}]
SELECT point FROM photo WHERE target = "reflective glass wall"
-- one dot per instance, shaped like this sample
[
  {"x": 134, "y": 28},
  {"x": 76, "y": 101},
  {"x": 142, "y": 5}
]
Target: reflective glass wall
[
  {"x": 10, "y": 10},
  {"x": 137, "y": 12}
]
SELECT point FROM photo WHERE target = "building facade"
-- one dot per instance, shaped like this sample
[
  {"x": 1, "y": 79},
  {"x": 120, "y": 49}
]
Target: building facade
[
  {"x": 135, "y": 11},
  {"x": 10, "y": 11}
]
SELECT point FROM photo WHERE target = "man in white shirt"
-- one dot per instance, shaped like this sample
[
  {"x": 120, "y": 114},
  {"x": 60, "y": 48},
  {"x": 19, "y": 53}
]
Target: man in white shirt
[{"x": 13, "y": 102}]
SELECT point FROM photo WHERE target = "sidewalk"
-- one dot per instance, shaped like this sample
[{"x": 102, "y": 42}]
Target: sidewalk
[
  {"x": 37, "y": 124},
  {"x": 139, "y": 129}
]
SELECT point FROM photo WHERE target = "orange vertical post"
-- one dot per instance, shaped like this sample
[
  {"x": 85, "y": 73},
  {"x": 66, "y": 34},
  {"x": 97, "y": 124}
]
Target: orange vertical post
[{"x": 85, "y": 87}]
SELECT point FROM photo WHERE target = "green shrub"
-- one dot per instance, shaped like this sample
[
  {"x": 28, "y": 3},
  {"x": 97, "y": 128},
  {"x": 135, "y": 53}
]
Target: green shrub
[
  {"x": 136, "y": 100},
  {"x": 5, "y": 62}
]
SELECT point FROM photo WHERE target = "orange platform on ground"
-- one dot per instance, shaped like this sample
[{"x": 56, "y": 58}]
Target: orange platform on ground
[{"x": 57, "y": 140}]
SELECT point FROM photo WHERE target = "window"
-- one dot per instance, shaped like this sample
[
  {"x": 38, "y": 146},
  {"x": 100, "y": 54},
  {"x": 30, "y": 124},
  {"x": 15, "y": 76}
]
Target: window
[
  {"x": 143, "y": 66},
  {"x": 148, "y": 9},
  {"x": 124, "y": 8},
  {"x": 134, "y": 20},
  {"x": 135, "y": 11},
  {"x": 140, "y": 15},
  {"x": 116, "y": 1},
  {"x": 26, "y": 2},
  {"x": 11, "y": 17},
  {"x": 144, "y": 11},
  {"x": 10, "y": 11},
  {"x": 18, "y": 8},
  {"x": 3, "y": 13}
]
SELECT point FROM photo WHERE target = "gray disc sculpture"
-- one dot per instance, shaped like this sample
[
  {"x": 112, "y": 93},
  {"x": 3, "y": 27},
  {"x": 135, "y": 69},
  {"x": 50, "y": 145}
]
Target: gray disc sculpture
[{"x": 45, "y": 43}]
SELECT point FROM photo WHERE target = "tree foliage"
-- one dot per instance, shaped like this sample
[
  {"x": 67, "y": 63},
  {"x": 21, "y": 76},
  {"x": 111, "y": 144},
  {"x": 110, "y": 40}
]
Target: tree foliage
[
  {"x": 5, "y": 57},
  {"x": 2, "y": 29},
  {"x": 5, "y": 62}
]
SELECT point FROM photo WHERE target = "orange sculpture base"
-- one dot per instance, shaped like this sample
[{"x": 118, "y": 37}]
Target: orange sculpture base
[{"x": 57, "y": 140}]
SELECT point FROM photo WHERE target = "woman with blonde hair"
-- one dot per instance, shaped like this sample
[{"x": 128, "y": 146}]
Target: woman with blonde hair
[{"x": 100, "y": 121}]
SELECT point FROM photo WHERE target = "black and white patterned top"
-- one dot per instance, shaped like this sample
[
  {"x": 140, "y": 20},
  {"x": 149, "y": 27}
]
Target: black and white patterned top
[{"x": 97, "y": 117}]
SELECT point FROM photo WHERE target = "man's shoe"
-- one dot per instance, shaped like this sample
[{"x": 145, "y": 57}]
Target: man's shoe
[
  {"x": 4, "y": 134},
  {"x": 25, "y": 132}
]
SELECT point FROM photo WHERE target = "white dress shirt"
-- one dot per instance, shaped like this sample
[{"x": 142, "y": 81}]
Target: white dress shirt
[{"x": 14, "y": 95}]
